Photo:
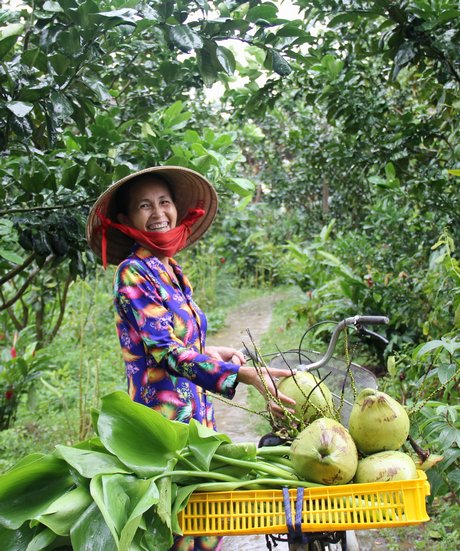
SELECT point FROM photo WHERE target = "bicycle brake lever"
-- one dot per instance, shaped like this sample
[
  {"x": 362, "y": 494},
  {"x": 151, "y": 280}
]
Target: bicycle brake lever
[{"x": 368, "y": 333}]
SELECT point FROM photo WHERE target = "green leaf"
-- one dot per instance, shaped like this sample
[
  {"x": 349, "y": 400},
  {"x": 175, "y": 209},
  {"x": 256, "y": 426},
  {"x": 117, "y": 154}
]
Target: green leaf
[
  {"x": 191, "y": 136},
  {"x": 182, "y": 498},
  {"x": 62, "y": 514},
  {"x": 177, "y": 160},
  {"x": 391, "y": 366},
  {"x": 11, "y": 256},
  {"x": 123, "y": 499},
  {"x": 8, "y": 37},
  {"x": 60, "y": 63},
  {"x": 62, "y": 108},
  {"x": 454, "y": 172},
  {"x": 125, "y": 16},
  {"x": 390, "y": 171},
  {"x": 451, "y": 345},
  {"x": 445, "y": 372},
  {"x": 70, "y": 176},
  {"x": 20, "y": 108},
  {"x": 90, "y": 463},
  {"x": 266, "y": 10},
  {"x": 203, "y": 442},
  {"x": 226, "y": 59},
  {"x": 429, "y": 347},
  {"x": 165, "y": 8},
  {"x": 91, "y": 533},
  {"x": 43, "y": 540},
  {"x": 17, "y": 540},
  {"x": 292, "y": 29},
  {"x": 172, "y": 112},
  {"x": 52, "y": 6},
  {"x": 140, "y": 437},
  {"x": 178, "y": 122},
  {"x": 185, "y": 38},
  {"x": 29, "y": 489},
  {"x": 241, "y": 186}
]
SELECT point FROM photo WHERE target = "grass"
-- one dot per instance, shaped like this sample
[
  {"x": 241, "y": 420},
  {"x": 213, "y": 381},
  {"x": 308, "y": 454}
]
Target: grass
[{"x": 441, "y": 533}]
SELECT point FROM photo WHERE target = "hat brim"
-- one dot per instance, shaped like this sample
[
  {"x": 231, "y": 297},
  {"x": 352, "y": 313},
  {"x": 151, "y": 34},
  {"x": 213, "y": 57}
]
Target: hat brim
[{"x": 191, "y": 190}]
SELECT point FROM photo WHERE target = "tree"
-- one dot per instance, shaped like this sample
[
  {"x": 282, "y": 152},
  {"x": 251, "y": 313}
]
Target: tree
[{"x": 89, "y": 91}]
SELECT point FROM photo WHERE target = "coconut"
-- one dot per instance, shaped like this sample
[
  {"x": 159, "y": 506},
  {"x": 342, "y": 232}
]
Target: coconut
[
  {"x": 324, "y": 452},
  {"x": 378, "y": 422},
  {"x": 313, "y": 398},
  {"x": 386, "y": 467}
]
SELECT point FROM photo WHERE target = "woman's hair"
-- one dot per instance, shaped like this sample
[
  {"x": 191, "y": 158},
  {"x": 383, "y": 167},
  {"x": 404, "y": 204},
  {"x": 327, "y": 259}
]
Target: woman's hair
[{"x": 121, "y": 198}]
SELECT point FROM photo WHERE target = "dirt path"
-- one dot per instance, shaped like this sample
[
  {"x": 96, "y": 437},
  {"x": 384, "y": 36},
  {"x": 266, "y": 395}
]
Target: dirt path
[
  {"x": 238, "y": 424},
  {"x": 255, "y": 315}
]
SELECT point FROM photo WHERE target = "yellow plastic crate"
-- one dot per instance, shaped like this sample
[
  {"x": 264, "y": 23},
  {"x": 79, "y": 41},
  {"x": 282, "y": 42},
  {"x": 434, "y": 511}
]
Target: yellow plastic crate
[{"x": 347, "y": 507}]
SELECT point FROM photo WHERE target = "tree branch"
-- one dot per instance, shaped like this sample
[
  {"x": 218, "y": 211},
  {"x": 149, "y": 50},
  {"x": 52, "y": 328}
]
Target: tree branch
[
  {"x": 84, "y": 203},
  {"x": 62, "y": 305},
  {"x": 24, "y": 286},
  {"x": 17, "y": 270}
]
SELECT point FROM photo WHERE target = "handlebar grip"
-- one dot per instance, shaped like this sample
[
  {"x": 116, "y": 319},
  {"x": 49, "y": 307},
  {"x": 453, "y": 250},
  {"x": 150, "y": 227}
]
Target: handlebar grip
[{"x": 371, "y": 320}]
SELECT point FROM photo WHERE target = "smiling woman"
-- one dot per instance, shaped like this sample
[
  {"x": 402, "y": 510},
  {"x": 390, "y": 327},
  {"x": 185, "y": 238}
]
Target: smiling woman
[
  {"x": 140, "y": 223},
  {"x": 147, "y": 204}
]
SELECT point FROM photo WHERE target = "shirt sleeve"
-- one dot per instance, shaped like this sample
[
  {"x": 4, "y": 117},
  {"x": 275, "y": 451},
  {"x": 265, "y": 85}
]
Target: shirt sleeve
[{"x": 141, "y": 305}]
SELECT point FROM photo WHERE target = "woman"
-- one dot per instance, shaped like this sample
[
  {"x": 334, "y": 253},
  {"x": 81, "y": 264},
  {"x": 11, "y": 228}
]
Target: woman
[{"x": 140, "y": 223}]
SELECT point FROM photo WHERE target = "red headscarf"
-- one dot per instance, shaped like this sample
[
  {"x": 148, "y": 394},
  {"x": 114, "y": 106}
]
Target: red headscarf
[{"x": 164, "y": 244}]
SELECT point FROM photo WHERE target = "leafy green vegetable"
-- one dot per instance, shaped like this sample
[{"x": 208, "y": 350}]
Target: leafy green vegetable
[
  {"x": 140, "y": 437},
  {"x": 124, "y": 490},
  {"x": 27, "y": 490}
]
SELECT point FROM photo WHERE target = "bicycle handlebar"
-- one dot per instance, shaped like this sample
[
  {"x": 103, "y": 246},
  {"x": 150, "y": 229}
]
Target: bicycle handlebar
[
  {"x": 356, "y": 321},
  {"x": 367, "y": 320}
]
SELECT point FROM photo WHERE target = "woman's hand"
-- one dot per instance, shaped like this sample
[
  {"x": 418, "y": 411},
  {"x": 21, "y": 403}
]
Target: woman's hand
[
  {"x": 225, "y": 354},
  {"x": 250, "y": 376}
]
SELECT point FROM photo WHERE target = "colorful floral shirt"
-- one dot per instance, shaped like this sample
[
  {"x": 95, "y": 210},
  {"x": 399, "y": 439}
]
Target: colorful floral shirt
[{"x": 162, "y": 335}]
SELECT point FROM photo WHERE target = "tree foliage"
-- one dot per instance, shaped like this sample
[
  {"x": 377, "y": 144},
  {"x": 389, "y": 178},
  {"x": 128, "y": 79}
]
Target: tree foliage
[{"x": 90, "y": 91}]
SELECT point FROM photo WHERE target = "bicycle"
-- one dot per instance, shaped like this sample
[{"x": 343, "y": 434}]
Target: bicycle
[
  {"x": 336, "y": 373},
  {"x": 245, "y": 512}
]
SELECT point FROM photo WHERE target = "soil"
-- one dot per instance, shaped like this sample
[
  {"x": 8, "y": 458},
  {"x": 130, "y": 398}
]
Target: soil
[
  {"x": 243, "y": 426},
  {"x": 239, "y": 424}
]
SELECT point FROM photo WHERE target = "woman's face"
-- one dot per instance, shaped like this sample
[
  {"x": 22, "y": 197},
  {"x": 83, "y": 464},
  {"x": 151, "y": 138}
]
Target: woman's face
[{"x": 151, "y": 207}]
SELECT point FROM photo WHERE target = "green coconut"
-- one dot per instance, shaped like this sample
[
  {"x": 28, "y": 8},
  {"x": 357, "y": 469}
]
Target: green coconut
[
  {"x": 378, "y": 422},
  {"x": 313, "y": 398},
  {"x": 386, "y": 467},
  {"x": 324, "y": 452}
]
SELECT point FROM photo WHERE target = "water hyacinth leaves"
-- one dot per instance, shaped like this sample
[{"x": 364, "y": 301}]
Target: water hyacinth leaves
[
  {"x": 203, "y": 442},
  {"x": 90, "y": 463},
  {"x": 123, "y": 490},
  {"x": 91, "y": 533},
  {"x": 122, "y": 500},
  {"x": 29, "y": 488},
  {"x": 64, "y": 512},
  {"x": 141, "y": 438}
]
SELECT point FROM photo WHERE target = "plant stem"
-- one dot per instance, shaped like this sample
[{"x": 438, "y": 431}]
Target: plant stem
[
  {"x": 269, "y": 451},
  {"x": 257, "y": 466},
  {"x": 187, "y": 462},
  {"x": 202, "y": 474},
  {"x": 276, "y": 484}
]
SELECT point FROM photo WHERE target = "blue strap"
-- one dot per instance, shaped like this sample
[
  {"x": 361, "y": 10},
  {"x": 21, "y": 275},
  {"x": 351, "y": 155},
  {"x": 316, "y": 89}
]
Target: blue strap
[
  {"x": 287, "y": 512},
  {"x": 298, "y": 512},
  {"x": 294, "y": 531}
]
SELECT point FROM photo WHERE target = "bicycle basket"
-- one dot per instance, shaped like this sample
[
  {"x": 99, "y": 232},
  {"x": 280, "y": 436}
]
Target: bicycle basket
[{"x": 338, "y": 375}]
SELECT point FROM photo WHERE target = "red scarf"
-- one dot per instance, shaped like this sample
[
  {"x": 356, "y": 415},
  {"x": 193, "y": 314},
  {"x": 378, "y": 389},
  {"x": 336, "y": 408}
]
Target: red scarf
[{"x": 163, "y": 244}]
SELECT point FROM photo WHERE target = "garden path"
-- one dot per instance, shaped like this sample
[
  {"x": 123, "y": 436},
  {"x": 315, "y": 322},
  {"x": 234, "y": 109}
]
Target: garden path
[{"x": 240, "y": 425}]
